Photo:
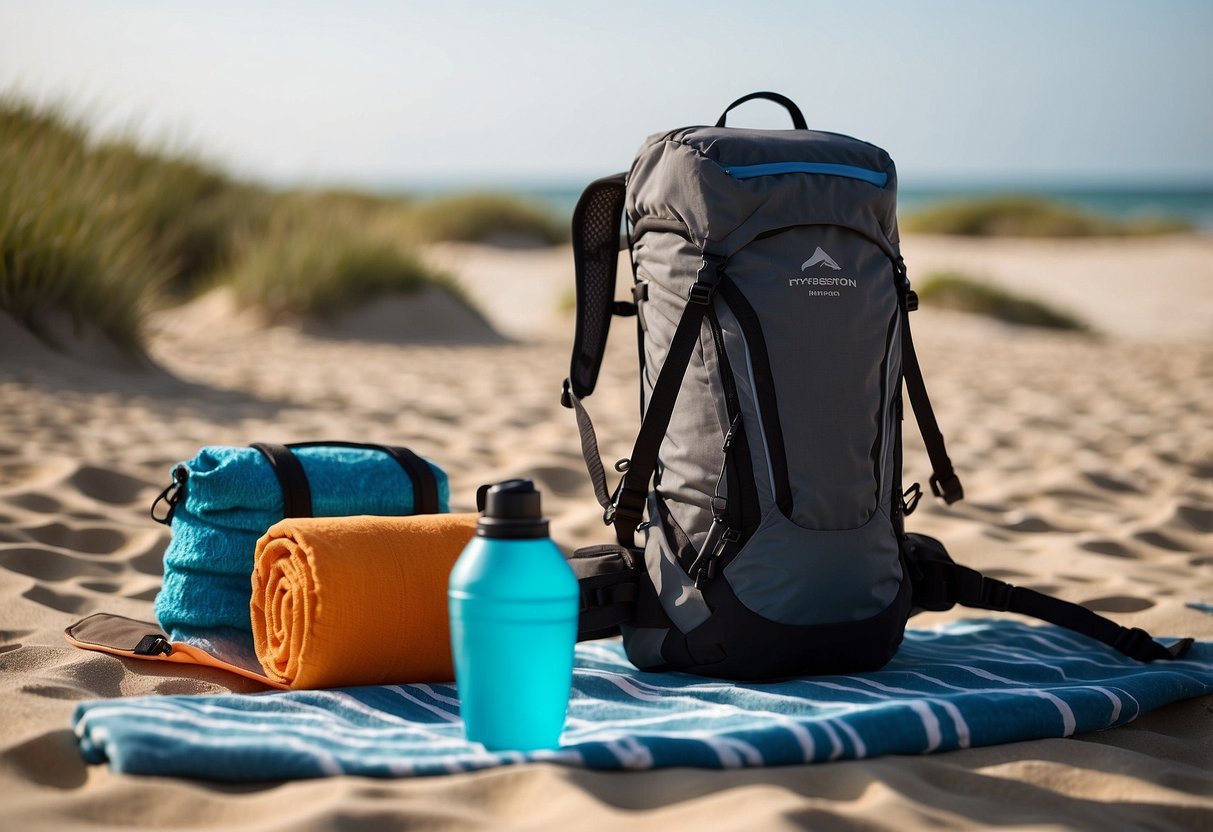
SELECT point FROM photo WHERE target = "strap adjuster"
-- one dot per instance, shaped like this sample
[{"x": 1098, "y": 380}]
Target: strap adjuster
[
  {"x": 707, "y": 279},
  {"x": 627, "y": 503},
  {"x": 701, "y": 293}
]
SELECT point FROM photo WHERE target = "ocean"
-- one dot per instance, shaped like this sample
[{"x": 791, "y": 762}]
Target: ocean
[{"x": 1193, "y": 205}]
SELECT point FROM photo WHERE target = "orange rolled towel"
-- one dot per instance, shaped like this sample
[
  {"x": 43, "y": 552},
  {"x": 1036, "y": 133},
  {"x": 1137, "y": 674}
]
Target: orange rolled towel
[{"x": 341, "y": 601}]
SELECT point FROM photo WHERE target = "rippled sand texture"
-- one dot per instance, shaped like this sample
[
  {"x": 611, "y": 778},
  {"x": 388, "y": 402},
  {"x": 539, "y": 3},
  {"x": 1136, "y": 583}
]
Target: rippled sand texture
[{"x": 1088, "y": 465}]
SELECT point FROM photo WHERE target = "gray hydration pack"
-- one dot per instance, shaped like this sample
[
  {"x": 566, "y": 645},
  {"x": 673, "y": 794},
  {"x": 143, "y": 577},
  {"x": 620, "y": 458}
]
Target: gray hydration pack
[{"x": 760, "y": 516}]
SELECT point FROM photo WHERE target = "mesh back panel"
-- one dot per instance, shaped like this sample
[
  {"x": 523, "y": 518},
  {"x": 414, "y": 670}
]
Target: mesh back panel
[{"x": 596, "y": 255}]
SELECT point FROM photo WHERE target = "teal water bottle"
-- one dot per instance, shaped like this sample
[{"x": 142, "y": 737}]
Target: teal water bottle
[{"x": 513, "y": 604}]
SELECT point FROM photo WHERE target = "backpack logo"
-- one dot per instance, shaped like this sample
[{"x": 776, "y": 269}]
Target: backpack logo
[
  {"x": 820, "y": 258},
  {"x": 814, "y": 278}
]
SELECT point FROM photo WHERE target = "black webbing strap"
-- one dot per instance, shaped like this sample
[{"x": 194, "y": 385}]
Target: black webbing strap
[
  {"x": 627, "y": 509},
  {"x": 606, "y": 602},
  {"x": 419, "y": 472},
  {"x": 940, "y": 584},
  {"x": 944, "y": 482},
  {"x": 296, "y": 493},
  {"x": 589, "y": 446}
]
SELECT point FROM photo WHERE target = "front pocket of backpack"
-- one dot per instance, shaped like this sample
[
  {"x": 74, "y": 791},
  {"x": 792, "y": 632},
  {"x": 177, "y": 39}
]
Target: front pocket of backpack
[
  {"x": 818, "y": 309},
  {"x": 792, "y": 575}
]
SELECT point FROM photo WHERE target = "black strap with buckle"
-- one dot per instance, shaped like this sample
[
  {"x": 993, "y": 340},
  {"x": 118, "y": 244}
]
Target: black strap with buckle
[
  {"x": 939, "y": 584},
  {"x": 633, "y": 490}
]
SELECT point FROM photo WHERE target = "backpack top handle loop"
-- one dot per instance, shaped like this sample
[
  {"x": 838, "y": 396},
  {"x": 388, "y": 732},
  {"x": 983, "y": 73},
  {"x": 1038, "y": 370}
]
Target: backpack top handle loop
[{"x": 798, "y": 121}]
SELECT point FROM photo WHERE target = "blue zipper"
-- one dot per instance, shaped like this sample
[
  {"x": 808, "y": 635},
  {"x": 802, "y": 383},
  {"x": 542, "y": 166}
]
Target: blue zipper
[{"x": 875, "y": 177}]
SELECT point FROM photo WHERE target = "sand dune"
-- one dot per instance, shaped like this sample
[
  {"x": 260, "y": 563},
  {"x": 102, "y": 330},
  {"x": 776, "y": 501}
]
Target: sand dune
[{"x": 1088, "y": 463}]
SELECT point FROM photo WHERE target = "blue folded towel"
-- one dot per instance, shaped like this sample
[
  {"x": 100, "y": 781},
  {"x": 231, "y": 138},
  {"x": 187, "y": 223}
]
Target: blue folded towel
[
  {"x": 964, "y": 685},
  {"x": 230, "y": 498}
]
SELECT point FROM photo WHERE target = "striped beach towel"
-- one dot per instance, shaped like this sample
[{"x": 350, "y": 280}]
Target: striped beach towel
[{"x": 967, "y": 684}]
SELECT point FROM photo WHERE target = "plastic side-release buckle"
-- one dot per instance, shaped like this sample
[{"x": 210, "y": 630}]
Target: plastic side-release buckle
[{"x": 948, "y": 489}]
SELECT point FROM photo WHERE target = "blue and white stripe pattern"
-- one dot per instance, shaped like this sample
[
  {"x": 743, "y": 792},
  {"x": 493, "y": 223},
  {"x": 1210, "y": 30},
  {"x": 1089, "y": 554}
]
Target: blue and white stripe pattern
[{"x": 968, "y": 684}]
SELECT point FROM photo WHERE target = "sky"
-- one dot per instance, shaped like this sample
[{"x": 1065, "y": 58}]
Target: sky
[{"x": 395, "y": 94}]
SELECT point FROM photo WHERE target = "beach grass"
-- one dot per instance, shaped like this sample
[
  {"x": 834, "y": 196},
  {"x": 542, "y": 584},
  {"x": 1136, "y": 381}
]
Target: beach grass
[
  {"x": 1015, "y": 215},
  {"x": 495, "y": 219},
  {"x": 961, "y": 292},
  {"x": 105, "y": 231},
  {"x": 69, "y": 242},
  {"x": 319, "y": 257}
]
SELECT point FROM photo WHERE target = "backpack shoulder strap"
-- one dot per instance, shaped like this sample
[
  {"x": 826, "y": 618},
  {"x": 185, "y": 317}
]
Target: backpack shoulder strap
[
  {"x": 632, "y": 494},
  {"x": 940, "y": 583},
  {"x": 625, "y": 509},
  {"x": 944, "y": 482},
  {"x": 596, "y": 245}
]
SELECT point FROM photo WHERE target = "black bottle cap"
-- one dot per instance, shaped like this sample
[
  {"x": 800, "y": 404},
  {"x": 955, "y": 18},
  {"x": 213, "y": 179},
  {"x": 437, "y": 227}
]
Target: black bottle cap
[{"x": 511, "y": 509}]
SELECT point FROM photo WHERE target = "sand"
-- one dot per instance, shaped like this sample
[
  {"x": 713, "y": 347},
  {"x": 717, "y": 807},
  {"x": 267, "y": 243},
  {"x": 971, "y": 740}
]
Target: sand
[{"x": 1088, "y": 463}]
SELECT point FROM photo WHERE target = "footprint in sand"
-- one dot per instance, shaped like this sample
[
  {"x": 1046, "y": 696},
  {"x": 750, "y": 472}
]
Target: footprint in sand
[
  {"x": 53, "y": 565},
  {"x": 106, "y": 587},
  {"x": 1195, "y": 518},
  {"x": 33, "y": 501},
  {"x": 1118, "y": 603},
  {"x": 1077, "y": 579},
  {"x": 109, "y": 486},
  {"x": 1107, "y": 547},
  {"x": 1108, "y": 483},
  {"x": 62, "y": 601},
  {"x": 95, "y": 540},
  {"x": 1159, "y": 541},
  {"x": 58, "y": 691},
  {"x": 148, "y": 594},
  {"x": 1030, "y": 523}
]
